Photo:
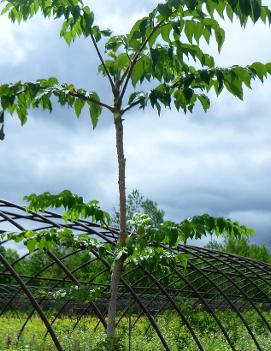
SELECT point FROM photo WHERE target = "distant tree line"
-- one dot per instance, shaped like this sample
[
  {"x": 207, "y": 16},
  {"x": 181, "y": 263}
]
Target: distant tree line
[{"x": 242, "y": 247}]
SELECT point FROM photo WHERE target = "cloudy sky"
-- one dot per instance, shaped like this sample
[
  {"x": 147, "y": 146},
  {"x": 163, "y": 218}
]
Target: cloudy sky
[{"x": 217, "y": 162}]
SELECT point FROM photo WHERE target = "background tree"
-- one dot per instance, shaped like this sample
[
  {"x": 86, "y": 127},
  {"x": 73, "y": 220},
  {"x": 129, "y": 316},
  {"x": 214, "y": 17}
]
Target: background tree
[
  {"x": 12, "y": 255},
  {"x": 137, "y": 203},
  {"x": 158, "y": 49},
  {"x": 242, "y": 247}
]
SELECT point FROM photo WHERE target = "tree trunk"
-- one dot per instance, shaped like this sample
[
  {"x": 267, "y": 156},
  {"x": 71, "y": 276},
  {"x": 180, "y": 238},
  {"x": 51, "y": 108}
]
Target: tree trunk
[{"x": 118, "y": 264}]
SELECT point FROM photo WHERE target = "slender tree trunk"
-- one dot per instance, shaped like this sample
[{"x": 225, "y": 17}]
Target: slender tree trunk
[{"x": 118, "y": 264}]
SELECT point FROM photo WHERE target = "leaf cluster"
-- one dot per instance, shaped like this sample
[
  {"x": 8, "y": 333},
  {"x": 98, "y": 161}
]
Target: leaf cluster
[
  {"x": 52, "y": 239},
  {"x": 20, "y": 97},
  {"x": 193, "y": 85},
  {"x": 160, "y": 47},
  {"x": 196, "y": 227},
  {"x": 163, "y": 48},
  {"x": 78, "y": 19},
  {"x": 77, "y": 293},
  {"x": 74, "y": 206},
  {"x": 154, "y": 246}
]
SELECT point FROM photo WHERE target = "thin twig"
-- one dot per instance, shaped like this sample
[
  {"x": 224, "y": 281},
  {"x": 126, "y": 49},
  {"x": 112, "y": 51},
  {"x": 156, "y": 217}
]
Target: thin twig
[
  {"x": 102, "y": 62},
  {"x": 86, "y": 98},
  {"x": 76, "y": 95},
  {"x": 129, "y": 69},
  {"x": 128, "y": 107}
]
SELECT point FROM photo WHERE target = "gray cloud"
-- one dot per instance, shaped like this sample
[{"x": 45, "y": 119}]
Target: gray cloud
[{"x": 219, "y": 162}]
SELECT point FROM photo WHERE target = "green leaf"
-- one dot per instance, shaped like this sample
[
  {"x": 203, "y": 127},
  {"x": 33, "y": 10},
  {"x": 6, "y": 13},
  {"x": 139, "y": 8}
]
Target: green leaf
[
  {"x": 198, "y": 28},
  {"x": 165, "y": 32},
  {"x": 189, "y": 30},
  {"x": 97, "y": 33},
  {"x": 88, "y": 17},
  {"x": 31, "y": 244},
  {"x": 268, "y": 67},
  {"x": 191, "y": 4},
  {"x": 22, "y": 114},
  {"x": 205, "y": 101},
  {"x": 245, "y": 7},
  {"x": 122, "y": 61},
  {"x": 164, "y": 10},
  {"x": 78, "y": 106},
  {"x": 256, "y": 10},
  {"x": 95, "y": 110},
  {"x": 114, "y": 43},
  {"x": 68, "y": 37},
  {"x": 235, "y": 87},
  {"x": 220, "y": 38},
  {"x": 210, "y": 5},
  {"x": 229, "y": 12},
  {"x": 138, "y": 72},
  {"x": 132, "y": 97},
  {"x": 154, "y": 37},
  {"x": 6, "y": 101},
  {"x": 260, "y": 69},
  {"x": 243, "y": 74},
  {"x": 140, "y": 28},
  {"x": 207, "y": 34}
]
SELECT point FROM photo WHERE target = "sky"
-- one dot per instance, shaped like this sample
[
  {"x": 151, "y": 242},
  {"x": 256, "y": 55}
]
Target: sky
[{"x": 217, "y": 162}]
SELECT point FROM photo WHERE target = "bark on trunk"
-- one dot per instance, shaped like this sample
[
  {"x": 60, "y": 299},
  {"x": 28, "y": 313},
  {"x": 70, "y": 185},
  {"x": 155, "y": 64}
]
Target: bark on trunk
[{"x": 118, "y": 264}]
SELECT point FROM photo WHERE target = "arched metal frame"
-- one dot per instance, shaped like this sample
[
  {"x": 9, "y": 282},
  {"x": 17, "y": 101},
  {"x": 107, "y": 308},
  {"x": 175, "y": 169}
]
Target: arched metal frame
[{"x": 213, "y": 279}]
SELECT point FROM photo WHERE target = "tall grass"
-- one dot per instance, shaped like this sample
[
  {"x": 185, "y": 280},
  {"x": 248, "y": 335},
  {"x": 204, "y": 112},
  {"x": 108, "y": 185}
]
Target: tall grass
[{"x": 89, "y": 337}]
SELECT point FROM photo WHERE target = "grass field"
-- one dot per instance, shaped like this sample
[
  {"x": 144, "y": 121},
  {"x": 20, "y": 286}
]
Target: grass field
[{"x": 84, "y": 338}]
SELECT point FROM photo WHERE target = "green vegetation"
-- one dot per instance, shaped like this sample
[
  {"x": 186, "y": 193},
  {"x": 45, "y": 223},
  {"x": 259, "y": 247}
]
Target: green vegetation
[
  {"x": 144, "y": 338},
  {"x": 137, "y": 203},
  {"x": 243, "y": 247}
]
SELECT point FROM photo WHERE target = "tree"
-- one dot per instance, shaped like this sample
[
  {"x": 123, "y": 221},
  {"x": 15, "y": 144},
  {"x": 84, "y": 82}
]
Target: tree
[
  {"x": 11, "y": 255},
  {"x": 242, "y": 247},
  {"x": 136, "y": 203},
  {"x": 156, "y": 50}
]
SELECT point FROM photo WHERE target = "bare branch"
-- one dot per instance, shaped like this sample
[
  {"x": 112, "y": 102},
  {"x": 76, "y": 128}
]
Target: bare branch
[
  {"x": 97, "y": 102},
  {"x": 102, "y": 62},
  {"x": 128, "y": 107},
  {"x": 129, "y": 57}
]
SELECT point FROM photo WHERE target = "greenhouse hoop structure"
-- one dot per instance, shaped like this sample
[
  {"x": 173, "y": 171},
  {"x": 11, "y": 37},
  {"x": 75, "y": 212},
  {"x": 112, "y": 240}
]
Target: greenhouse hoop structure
[{"x": 213, "y": 281}]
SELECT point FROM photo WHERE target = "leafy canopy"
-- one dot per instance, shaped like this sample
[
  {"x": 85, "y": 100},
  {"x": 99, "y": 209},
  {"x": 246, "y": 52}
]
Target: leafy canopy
[{"x": 163, "y": 47}]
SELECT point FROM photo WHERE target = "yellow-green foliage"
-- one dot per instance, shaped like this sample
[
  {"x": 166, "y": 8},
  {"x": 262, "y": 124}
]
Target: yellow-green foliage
[{"x": 86, "y": 338}]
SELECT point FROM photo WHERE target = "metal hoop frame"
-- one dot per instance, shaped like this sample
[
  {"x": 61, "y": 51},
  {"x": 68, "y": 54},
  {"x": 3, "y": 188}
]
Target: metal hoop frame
[{"x": 212, "y": 279}]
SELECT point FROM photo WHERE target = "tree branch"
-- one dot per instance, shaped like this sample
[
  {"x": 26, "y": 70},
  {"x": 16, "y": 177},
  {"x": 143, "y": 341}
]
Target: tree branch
[
  {"x": 129, "y": 70},
  {"x": 128, "y": 107},
  {"x": 102, "y": 62},
  {"x": 97, "y": 102}
]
